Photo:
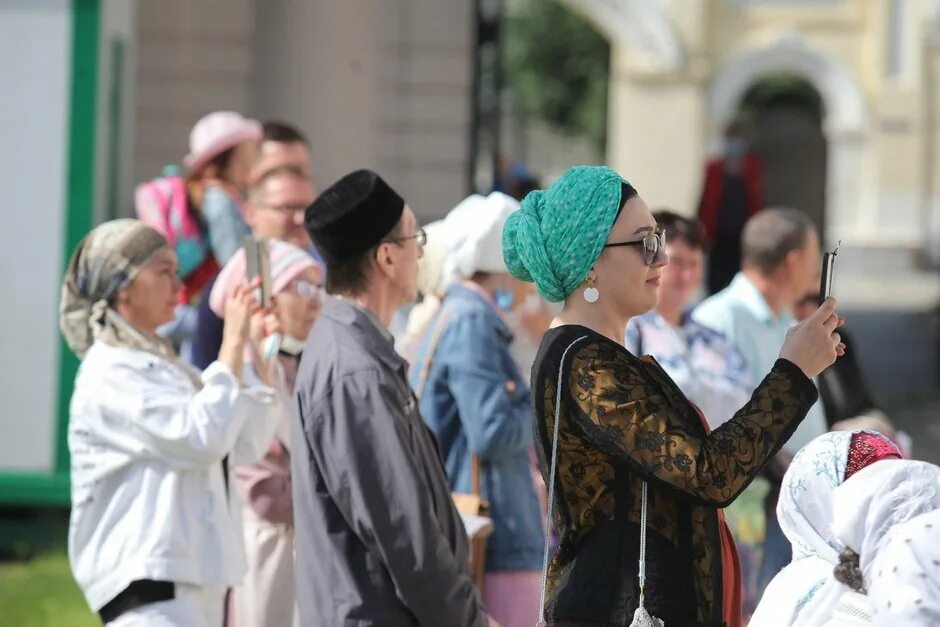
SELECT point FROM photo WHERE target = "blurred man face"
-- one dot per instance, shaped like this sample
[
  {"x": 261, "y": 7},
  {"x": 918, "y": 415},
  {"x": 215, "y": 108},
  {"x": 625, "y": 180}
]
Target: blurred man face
[
  {"x": 807, "y": 304},
  {"x": 800, "y": 270},
  {"x": 277, "y": 209},
  {"x": 274, "y": 154},
  {"x": 398, "y": 257}
]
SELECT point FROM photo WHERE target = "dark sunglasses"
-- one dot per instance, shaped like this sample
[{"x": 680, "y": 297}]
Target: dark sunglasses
[
  {"x": 420, "y": 237},
  {"x": 653, "y": 245}
]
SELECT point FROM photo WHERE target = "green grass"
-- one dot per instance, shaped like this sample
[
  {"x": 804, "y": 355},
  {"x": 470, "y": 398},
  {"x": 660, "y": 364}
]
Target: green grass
[{"x": 42, "y": 593}]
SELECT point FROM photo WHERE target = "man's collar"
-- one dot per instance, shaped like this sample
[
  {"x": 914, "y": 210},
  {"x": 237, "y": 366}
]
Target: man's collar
[
  {"x": 381, "y": 328},
  {"x": 354, "y": 315}
]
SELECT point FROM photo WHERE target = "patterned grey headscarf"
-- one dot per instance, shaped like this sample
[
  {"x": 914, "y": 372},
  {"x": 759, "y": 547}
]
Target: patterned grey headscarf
[{"x": 103, "y": 264}]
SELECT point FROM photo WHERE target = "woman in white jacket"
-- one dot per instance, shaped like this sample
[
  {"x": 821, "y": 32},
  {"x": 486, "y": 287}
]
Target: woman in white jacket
[{"x": 153, "y": 536}]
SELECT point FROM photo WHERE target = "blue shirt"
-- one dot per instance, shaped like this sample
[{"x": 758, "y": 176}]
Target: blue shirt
[{"x": 742, "y": 315}]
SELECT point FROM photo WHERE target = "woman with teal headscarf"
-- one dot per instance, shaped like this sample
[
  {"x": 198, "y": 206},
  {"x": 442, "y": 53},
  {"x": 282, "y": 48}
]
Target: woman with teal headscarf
[{"x": 590, "y": 242}]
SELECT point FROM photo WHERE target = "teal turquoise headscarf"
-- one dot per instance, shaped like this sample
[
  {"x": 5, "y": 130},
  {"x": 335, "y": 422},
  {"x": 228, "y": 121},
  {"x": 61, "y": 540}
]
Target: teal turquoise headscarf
[{"x": 559, "y": 232}]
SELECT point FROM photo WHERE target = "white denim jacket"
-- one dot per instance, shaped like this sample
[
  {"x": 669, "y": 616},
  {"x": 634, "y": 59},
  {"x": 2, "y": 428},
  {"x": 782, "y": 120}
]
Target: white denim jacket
[{"x": 149, "y": 495}]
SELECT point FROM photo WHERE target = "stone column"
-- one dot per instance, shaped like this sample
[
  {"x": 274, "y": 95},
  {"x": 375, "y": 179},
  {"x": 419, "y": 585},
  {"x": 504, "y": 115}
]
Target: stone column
[
  {"x": 192, "y": 58},
  {"x": 656, "y": 135},
  {"x": 655, "y": 113},
  {"x": 851, "y": 189}
]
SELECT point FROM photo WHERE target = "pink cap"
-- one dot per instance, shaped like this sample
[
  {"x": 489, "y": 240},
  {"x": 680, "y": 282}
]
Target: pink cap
[
  {"x": 217, "y": 132},
  {"x": 287, "y": 261}
]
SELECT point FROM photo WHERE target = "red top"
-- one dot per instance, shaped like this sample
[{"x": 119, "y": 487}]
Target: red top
[
  {"x": 710, "y": 204},
  {"x": 731, "y": 580}
]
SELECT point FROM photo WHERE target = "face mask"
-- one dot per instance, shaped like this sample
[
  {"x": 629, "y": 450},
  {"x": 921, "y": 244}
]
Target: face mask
[
  {"x": 271, "y": 345},
  {"x": 735, "y": 148},
  {"x": 504, "y": 299},
  {"x": 291, "y": 345},
  {"x": 531, "y": 305}
]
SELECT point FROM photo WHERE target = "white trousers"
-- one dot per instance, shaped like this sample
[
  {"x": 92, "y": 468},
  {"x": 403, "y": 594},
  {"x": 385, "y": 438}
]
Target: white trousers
[
  {"x": 193, "y": 606},
  {"x": 266, "y": 596}
]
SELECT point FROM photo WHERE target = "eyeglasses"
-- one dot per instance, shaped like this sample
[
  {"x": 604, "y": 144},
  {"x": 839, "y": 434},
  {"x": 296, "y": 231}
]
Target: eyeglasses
[
  {"x": 292, "y": 209},
  {"x": 654, "y": 245},
  {"x": 308, "y": 290},
  {"x": 420, "y": 237}
]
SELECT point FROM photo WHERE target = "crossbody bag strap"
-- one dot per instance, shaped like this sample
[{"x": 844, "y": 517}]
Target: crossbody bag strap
[
  {"x": 445, "y": 314},
  {"x": 476, "y": 470},
  {"x": 432, "y": 347},
  {"x": 642, "y": 572},
  {"x": 551, "y": 477}
]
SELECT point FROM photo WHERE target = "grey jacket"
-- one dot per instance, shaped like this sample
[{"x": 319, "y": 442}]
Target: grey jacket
[{"x": 378, "y": 540}]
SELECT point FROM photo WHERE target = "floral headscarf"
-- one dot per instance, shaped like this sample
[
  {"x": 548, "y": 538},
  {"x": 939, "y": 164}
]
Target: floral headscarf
[
  {"x": 869, "y": 511},
  {"x": 805, "y": 514},
  {"x": 805, "y": 506}
]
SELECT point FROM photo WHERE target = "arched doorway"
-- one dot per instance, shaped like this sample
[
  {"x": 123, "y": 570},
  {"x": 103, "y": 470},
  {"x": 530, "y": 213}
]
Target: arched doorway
[
  {"x": 784, "y": 114},
  {"x": 850, "y": 212}
]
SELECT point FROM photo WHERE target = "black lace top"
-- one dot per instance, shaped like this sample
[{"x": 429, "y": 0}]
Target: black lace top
[{"x": 624, "y": 421}]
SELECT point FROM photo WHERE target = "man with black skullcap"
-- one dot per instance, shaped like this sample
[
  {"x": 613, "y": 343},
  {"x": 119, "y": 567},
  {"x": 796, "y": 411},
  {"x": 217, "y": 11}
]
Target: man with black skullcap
[{"x": 378, "y": 540}]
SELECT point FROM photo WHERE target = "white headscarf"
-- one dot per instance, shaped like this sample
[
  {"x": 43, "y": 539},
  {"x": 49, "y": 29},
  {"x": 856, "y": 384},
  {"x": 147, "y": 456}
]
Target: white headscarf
[
  {"x": 867, "y": 511},
  {"x": 477, "y": 230},
  {"x": 431, "y": 285},
  {"x": 904, "y": 586},
  {"x": 467, "y": 240},
  {"x": 805, "y": 511}
]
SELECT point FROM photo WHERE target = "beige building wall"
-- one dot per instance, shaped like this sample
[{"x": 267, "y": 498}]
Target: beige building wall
[
  {"x": 192, "y": 58},
  {"x": 383, "y": 84},
  {"x": 387, "y": 85},
  {"x": 679, "y": 73},
  {"x": 932, "y": 165}
]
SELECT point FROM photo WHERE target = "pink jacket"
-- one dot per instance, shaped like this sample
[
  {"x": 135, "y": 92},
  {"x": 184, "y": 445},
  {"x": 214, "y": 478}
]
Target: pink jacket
[{"x": 265, "y": 487}]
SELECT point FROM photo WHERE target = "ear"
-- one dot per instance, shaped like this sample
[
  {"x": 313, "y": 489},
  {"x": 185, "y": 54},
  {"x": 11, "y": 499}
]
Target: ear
[
  {"x": 385, "y": 259},
  {"x": 122, "y": 299}
]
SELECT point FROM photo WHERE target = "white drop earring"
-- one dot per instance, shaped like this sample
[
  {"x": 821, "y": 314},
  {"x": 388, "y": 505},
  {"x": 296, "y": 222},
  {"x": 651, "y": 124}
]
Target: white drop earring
[{"x": 590, "y": 292}]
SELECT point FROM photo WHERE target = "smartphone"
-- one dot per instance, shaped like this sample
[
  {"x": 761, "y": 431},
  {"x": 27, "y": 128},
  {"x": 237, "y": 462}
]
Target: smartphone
[
  {"x": 258, "y": 263},
  {"x": 825, "y": 282}
]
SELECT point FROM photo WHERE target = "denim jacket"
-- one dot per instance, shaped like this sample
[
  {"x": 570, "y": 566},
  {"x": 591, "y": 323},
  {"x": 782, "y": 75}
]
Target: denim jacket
[{"x": 475, "y": 401}]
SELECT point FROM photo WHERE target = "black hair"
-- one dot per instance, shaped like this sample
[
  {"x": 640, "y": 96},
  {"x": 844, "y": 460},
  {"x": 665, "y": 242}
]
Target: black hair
[
  {"x": 282, "y": 133},
  {"x": 849, "y": 572},
  {"x": 626, "y": 193}
]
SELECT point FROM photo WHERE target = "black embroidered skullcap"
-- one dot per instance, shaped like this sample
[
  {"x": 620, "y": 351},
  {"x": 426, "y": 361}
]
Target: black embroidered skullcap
[{"x": 352, "y": 215}]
